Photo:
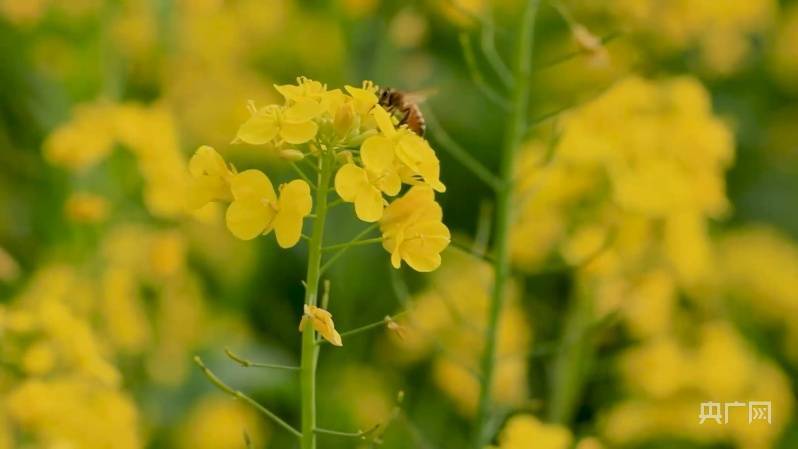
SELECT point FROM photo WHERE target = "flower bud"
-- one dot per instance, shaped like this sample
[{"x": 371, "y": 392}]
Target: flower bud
[
  {"x": 291, "y": 154},
  {"x": 344, "y": 120},
  {"x": 345, "y": 157}
]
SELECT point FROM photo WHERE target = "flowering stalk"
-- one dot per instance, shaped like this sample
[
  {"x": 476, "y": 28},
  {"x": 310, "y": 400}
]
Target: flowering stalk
[
  {"x": 366, "y": 153},
  {"x": 310, "y": 350},
  {"x": 513, "y": 137}
]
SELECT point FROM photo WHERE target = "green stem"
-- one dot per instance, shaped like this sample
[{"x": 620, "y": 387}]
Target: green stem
[
  {"x": 239, "y": 395},
  {"x": 309, "y": 348},
  {"x": 347, "y": 245},
  {"x": 573, "y": 361},
  {"x": 513, "y": 138},
  {"x": 359, "y": 434},
  {"x": 343, "y": 250},
  {"x": 370, "y": 326},
  {"x": 246, "y": 363}
]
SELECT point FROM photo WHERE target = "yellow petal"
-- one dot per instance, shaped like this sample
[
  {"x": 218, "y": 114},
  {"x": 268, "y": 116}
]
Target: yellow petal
[
  {"x": 369, "y": 204},
  {"x": 420, "y": 158},
  {"x": 333, "y": 337},
  {"x": 302, "y": 111},
  {"x": 261, "y": 128},
  {"x": 423, "y": 262},
  {"x": 378, "y": 153},
  {"x": 322, "y": 322},
  {"x": 207, "y": 162},
  {"x": 249, "y": 217},
  {"x": 349, "y": 181},
  {"x": 295, "y": 198},
  {"x": 252, "y": 184},
  {"x": 297, "y": 133},
  {"x": 203, "y": 190},
  {"x": 384, "y": 121},
  {"x": 295, "y": 203},
  {"x": 365, "y": 99},
  {"x": 289, "y": 91},
  {"x": 287, "y": 229},
  {"x": 390, "y": 183},
  {"x": 422, "y": 251}
]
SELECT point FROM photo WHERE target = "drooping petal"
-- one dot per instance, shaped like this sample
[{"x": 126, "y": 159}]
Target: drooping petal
[
  {"x": 252, "y": 184},
  {"x": 349, "y": 180},
  {"x": 422, "y": 262},
  {"x": 297, "y": 133},
  {"x": 420, "y": 158},
  {"x": 322, "y": 322},
  {"x": 369, "y": 204},
  {"x": 249, "y": 217},
  {"x": 260, "y": 129},
  {"x": 378, "y": 153}
]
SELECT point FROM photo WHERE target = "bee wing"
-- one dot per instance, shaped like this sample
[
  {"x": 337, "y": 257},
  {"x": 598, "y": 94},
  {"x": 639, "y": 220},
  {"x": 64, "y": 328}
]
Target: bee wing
[{"x": 419, "y": 96}]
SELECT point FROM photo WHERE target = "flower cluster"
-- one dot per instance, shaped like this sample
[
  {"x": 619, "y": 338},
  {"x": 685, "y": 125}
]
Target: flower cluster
[
  {"x": 342, "y": 131},
  {"x": 667, "y": 378},
  {"x": 148, "y": 132},
  {"x": 721, "y": 31},
  {"x": 65, "y": 376},
  {"x": 638, "y": 173}
]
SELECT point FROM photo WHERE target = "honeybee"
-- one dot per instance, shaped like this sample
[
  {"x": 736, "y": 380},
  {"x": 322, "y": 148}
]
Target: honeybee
[{"x": 404, "y": 107}]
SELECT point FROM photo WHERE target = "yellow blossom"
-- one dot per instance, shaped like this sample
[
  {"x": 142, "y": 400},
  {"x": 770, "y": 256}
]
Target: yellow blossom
[
  {"x": 257, "y": 210},
  {"x": 216, "y": 423},
  {"x": 83, "y": 141},
  {"x": 39, "y": 359},
  {"x": 418, "y": 162},
  {"x": 56, "y": 412},
  {"x": 293, "y": 124},
  {"x": 413, "y": 231},
  {"x": 210, "y": 178},
  {"x": 322, "y": 322},
  {"x": 524, "y": 431},
  {"x": 364, "y": 98},
  {"x": 84, "y": 207},
  {"x": 364, "y": 186}
]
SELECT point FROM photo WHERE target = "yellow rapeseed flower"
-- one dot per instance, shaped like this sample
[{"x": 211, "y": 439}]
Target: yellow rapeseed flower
[
  {"x": 364, "y": 186},
  {"x": 84, "y": 207},
  {"x": 418, "y": 163},
  {"x": 322, "y": 321},
  {"x": 210, "y": 178},
  {"x": 413, "y": 231},
  {"x": 256, "y": 209},
  {"x": 522, "y": 430}
]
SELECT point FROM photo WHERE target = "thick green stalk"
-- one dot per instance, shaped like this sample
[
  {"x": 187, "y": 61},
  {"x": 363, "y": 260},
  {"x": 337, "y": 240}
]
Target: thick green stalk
[
  {"x": 309, "y": 347},
  {"x": 513, "y": 138}
]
